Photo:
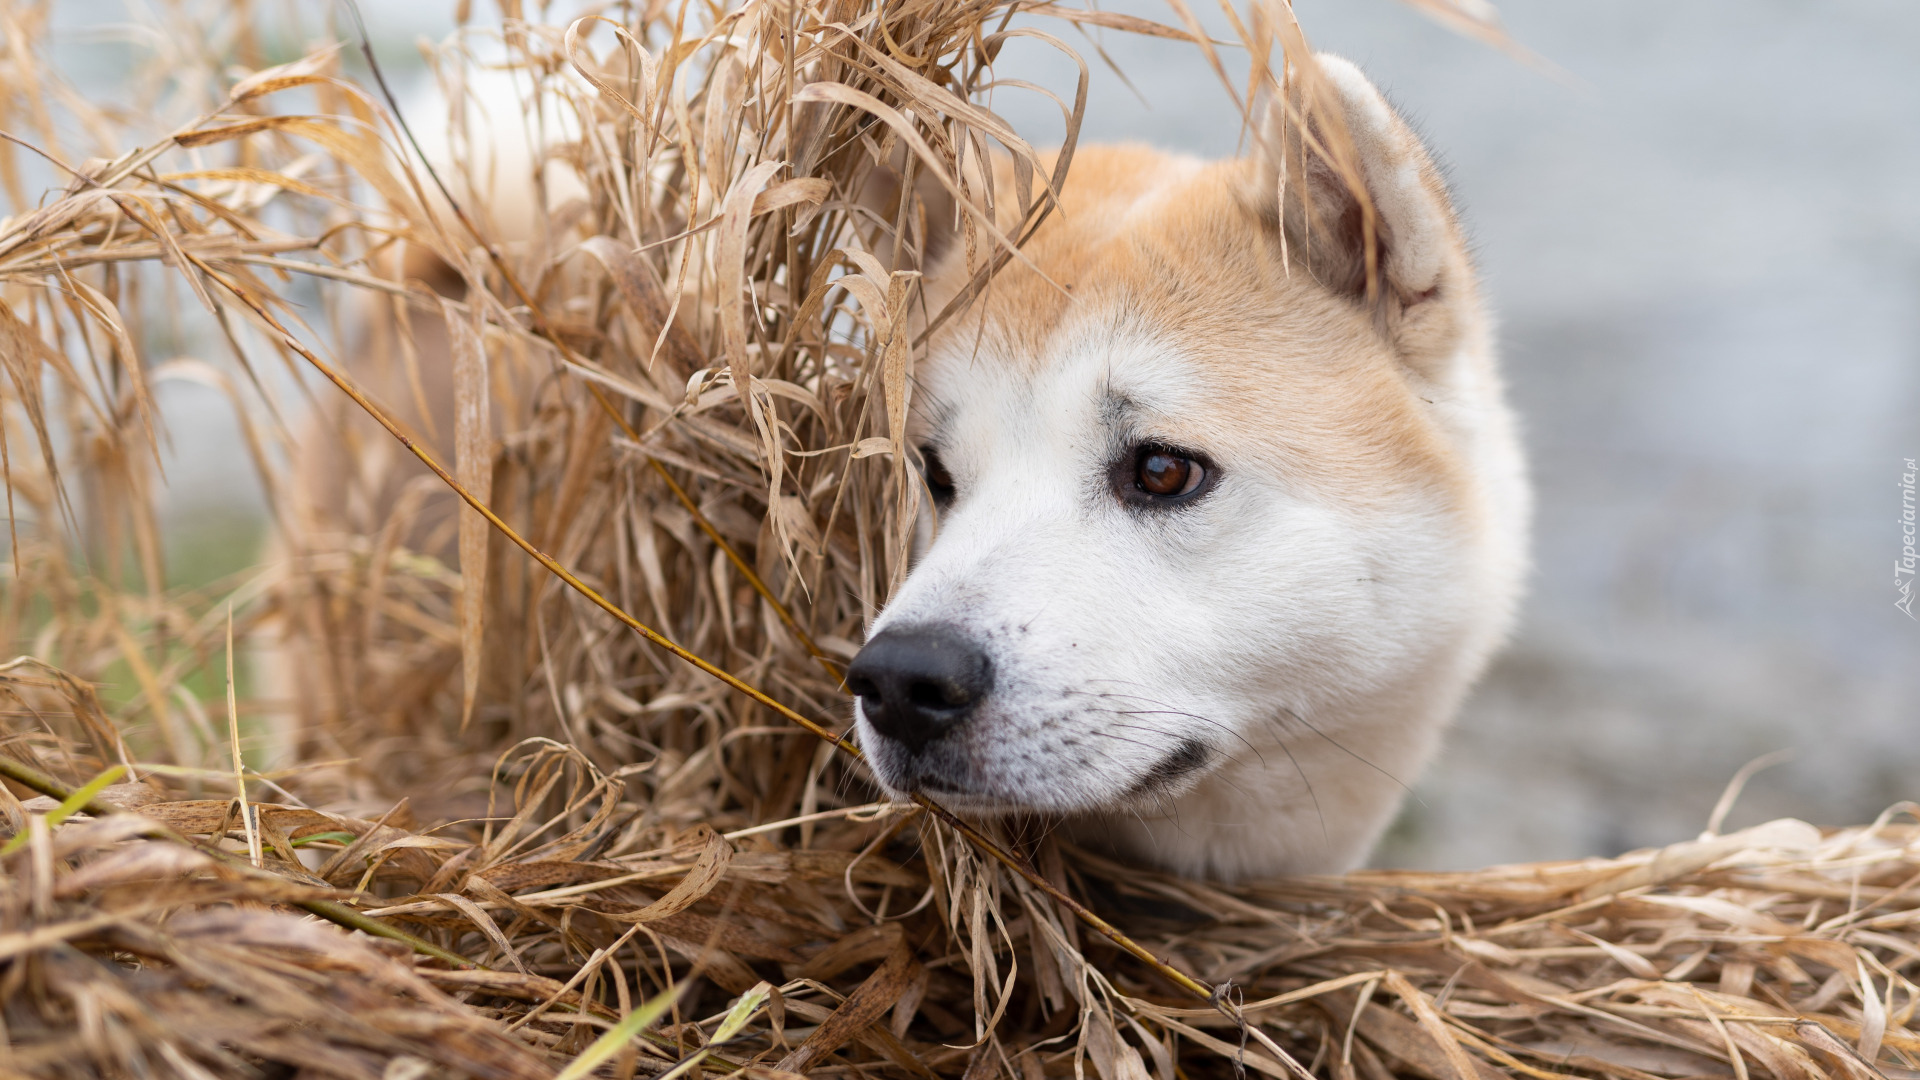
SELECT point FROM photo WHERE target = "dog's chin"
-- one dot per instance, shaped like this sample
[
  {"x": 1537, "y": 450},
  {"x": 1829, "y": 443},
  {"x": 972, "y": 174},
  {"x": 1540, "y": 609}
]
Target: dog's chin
[
  {"x": 903, "y": 775},
  {"x": 903, "y": 782},
  {"x": 966, "y": 803}
]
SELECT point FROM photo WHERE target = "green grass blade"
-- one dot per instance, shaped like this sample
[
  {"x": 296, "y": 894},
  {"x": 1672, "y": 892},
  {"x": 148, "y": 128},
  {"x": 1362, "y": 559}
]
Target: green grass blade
[
  {"x": 616, "y": 1039},
  {"x": 71, "y": 805}
]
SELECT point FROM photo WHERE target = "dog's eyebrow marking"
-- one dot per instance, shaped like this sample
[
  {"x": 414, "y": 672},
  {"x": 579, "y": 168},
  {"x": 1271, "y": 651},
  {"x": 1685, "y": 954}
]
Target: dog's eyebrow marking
[{"x": 1118, "y": 409}]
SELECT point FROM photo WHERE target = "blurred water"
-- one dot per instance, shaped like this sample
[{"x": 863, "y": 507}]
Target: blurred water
[
  {"x": 1705, "y": 253},
  {"x": 1707, "y": 261}
]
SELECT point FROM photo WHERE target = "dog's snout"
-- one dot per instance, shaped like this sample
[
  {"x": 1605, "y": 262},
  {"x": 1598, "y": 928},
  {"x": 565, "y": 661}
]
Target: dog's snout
[{"x": 915, "y": 684}]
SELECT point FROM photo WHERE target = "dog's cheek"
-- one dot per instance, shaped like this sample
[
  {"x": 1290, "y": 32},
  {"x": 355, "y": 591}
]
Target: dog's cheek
[{"x": 1304, "y": 611}]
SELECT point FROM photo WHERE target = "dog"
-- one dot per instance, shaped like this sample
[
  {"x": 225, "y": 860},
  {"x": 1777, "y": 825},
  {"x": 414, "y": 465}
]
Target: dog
[{"x": 1229, "y": 509}]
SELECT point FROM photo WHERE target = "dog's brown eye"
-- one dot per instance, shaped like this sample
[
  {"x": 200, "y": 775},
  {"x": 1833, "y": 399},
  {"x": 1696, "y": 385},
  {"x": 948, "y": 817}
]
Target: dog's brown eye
[
  {"x": 939, "y": 480},
  {"x": 1168, "y": 475}
]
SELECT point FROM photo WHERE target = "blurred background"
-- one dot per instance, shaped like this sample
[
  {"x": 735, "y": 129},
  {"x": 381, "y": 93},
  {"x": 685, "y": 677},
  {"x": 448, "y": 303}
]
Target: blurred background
[{"x": 1702, "y": 239}]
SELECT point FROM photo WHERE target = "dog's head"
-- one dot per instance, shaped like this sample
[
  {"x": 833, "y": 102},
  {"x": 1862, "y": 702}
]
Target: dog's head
[{"x": 1209, "y": 477}]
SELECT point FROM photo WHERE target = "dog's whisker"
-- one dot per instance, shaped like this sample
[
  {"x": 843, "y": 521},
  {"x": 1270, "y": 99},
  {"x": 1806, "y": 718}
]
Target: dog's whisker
[
  {"x": 1304, "y": 722},
  {"x": 1325, "y": 836},
  {"x": 1244, "y": 741},
  {"x": 1124, "y": 739}
]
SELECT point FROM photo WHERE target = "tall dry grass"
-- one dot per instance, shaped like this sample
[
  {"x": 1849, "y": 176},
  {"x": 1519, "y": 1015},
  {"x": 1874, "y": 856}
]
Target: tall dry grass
[{"x": 603, "y": 477}]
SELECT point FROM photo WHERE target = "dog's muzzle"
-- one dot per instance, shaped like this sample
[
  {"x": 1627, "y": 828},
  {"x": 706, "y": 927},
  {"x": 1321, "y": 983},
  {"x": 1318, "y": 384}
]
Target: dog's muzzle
[{"x": 917, "y": 684}]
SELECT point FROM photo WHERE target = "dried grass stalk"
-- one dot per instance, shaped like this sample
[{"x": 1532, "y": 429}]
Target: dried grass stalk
[
  {"x": 141, "y": 941},
  {"x": 670, "y": 347}
]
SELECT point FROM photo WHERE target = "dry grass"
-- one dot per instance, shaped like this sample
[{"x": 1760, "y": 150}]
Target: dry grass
[{"x": 669, "y": 363}]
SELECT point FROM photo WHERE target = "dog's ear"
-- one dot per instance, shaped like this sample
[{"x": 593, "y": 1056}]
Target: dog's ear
[
  {"x": 1360, "y": 203},
  {"x": 913, "y": 236}
]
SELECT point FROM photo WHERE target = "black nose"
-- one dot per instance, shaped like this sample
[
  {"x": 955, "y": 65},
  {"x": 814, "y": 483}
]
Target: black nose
[{"x": 917, "y": 683}]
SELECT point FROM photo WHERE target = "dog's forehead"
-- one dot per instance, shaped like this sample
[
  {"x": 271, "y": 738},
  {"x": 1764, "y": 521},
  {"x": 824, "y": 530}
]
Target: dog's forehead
[
  {"x": 1153, "y": 302},
  {"x": 1150, "y": 256},
  {"x": 1161, "y": 240},
  {"x": 1100, "y": 373}
]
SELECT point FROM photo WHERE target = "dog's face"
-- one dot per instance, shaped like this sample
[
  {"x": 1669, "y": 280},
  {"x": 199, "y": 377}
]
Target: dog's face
[{"x": 1193, "y": 499}]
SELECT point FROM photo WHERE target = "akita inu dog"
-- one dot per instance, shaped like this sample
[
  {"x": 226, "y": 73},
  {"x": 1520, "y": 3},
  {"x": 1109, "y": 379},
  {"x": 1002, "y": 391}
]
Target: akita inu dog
[
  {"x": 1227, "y": 510},
  {"x": 1230, "y": 511}
]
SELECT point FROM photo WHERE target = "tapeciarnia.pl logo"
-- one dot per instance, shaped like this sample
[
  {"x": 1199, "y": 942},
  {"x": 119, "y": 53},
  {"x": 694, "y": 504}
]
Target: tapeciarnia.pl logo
[{"x": 1903, "y": 566}]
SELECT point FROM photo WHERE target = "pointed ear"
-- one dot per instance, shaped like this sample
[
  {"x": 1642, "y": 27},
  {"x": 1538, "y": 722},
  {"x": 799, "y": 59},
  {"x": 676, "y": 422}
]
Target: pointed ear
[
  {"x": 923, "y": 226},
  {"x": 1361, "y": 204}
]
